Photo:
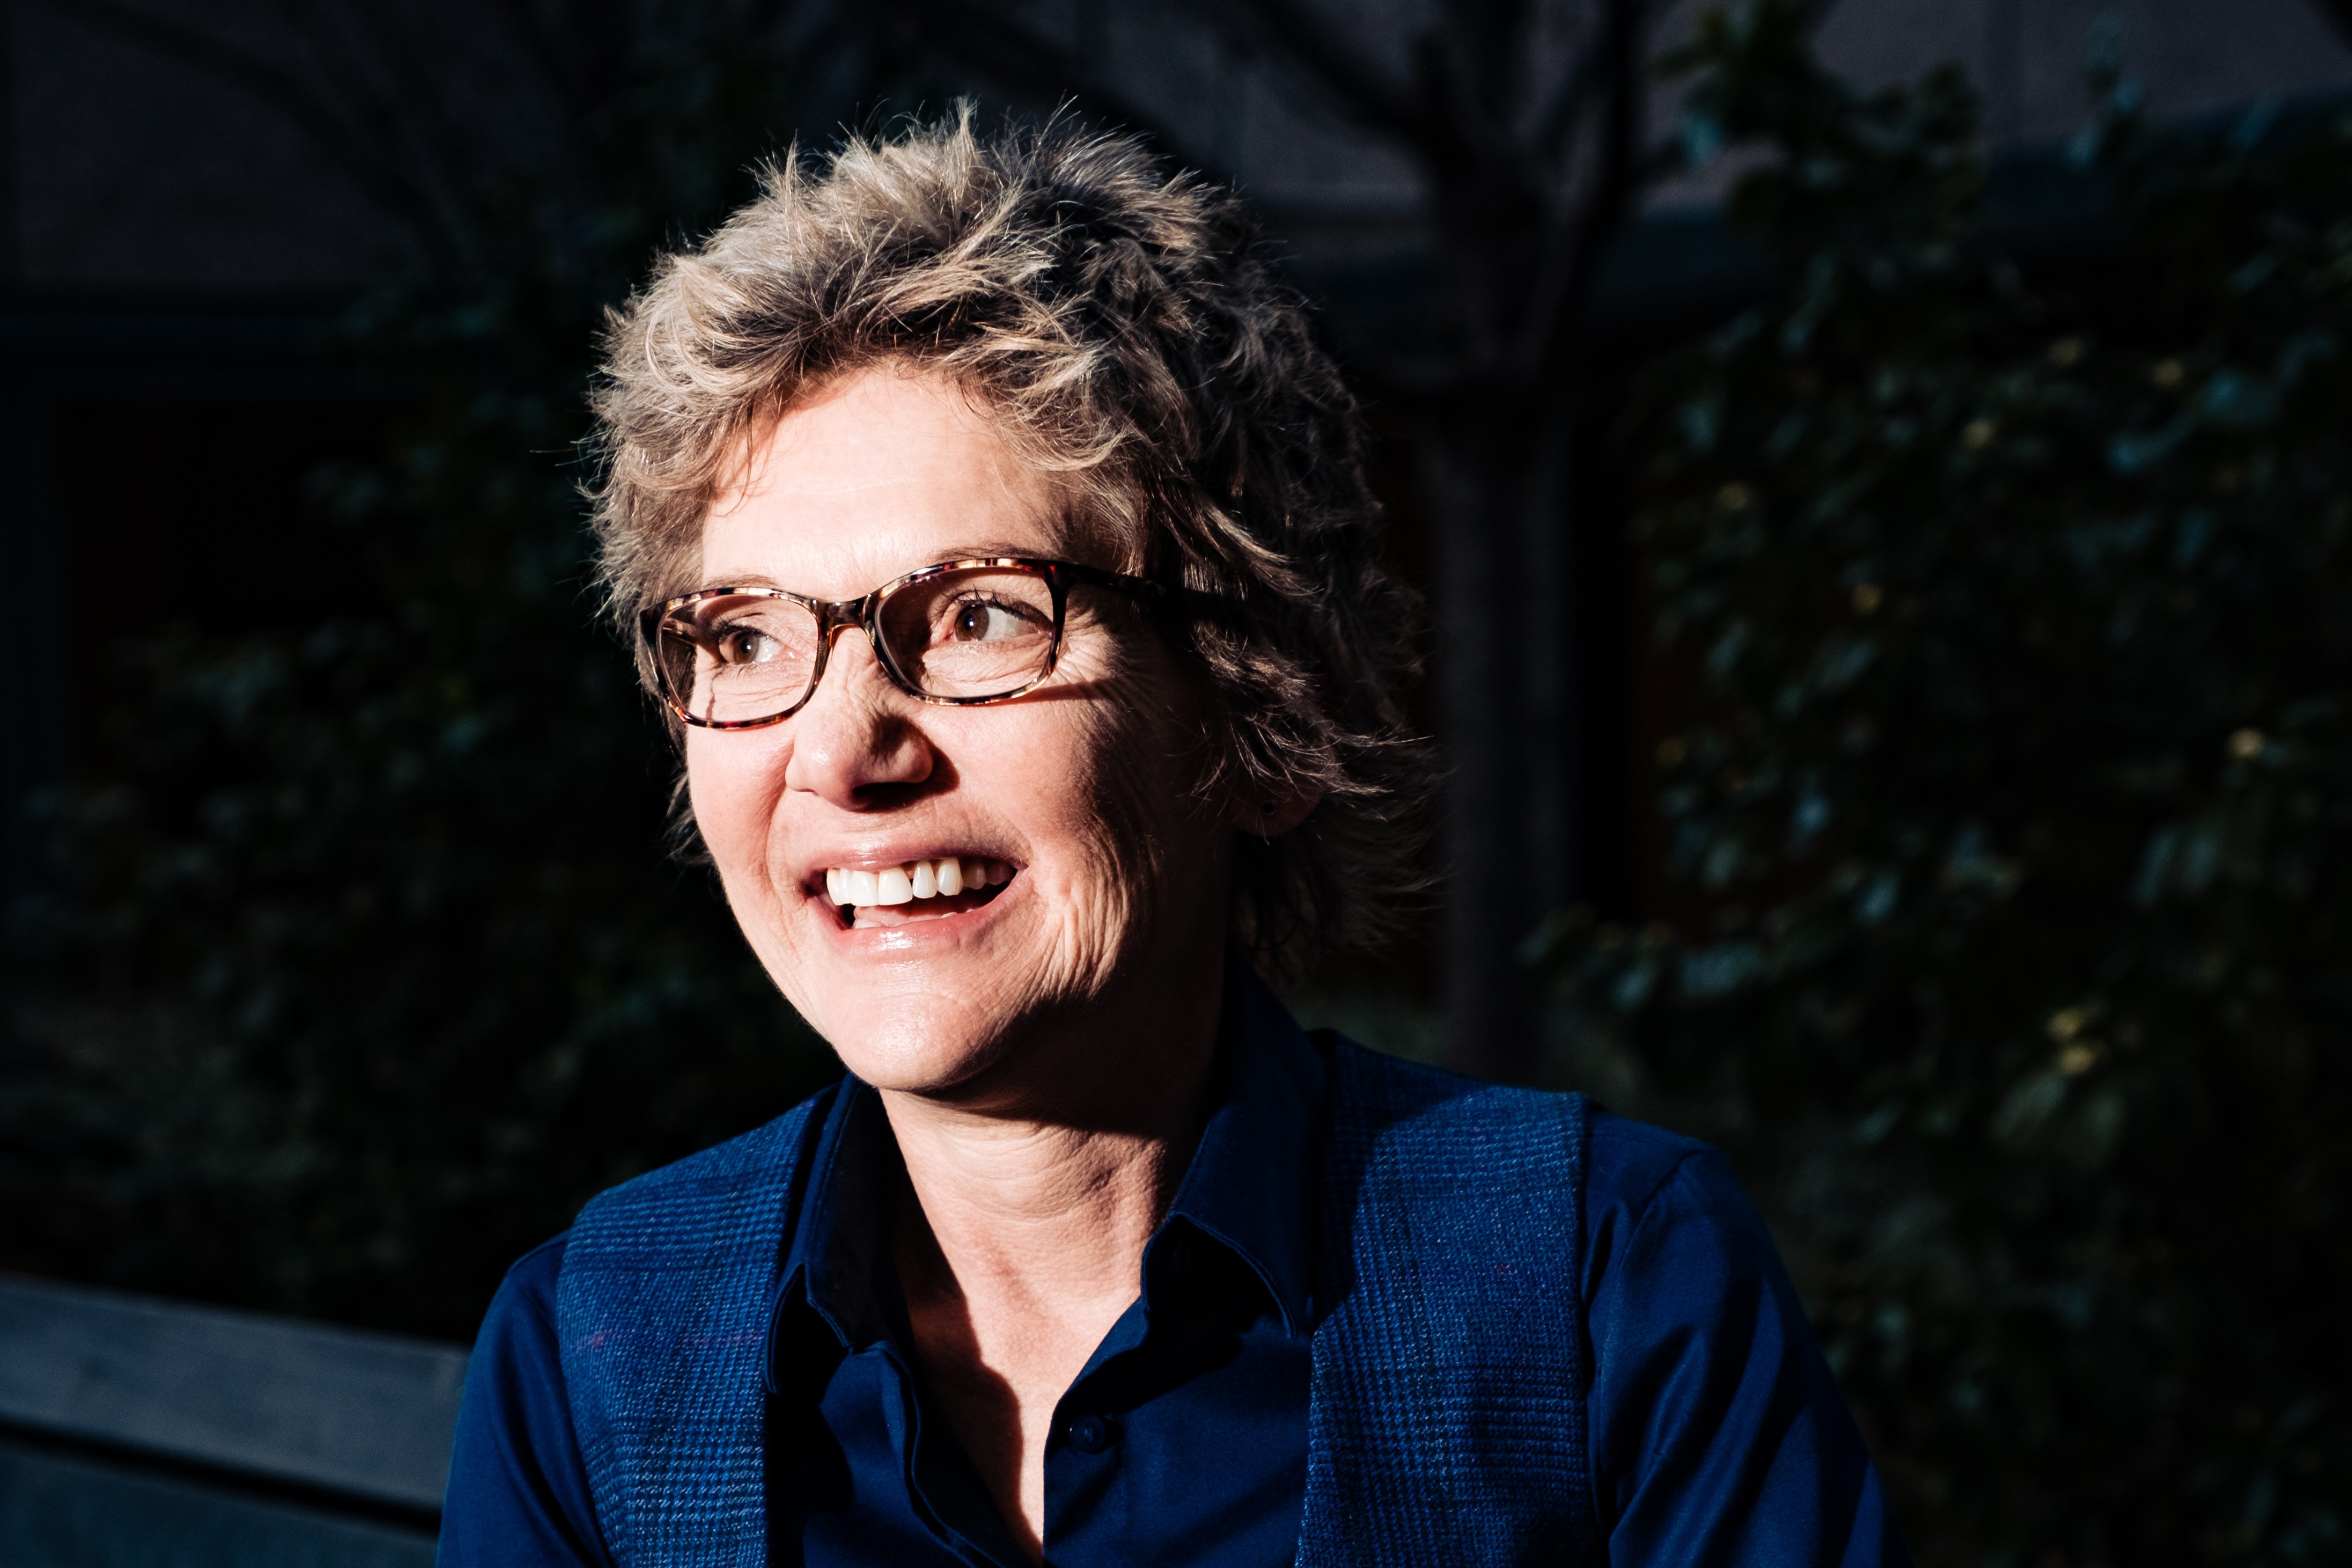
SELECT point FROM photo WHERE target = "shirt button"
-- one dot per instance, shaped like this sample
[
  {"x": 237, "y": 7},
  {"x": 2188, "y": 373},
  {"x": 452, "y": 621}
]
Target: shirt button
[{"x": 1090, "y": 1433}]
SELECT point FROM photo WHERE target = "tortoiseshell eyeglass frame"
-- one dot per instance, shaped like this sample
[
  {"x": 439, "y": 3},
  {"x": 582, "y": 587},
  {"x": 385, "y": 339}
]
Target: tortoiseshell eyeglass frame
[{"x": 835, "y": 616}]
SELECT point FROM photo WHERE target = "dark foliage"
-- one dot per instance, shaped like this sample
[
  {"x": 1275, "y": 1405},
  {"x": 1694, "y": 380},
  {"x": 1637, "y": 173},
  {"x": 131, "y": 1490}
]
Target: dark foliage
[
  {"x": 363, "y": 962},
  {"x": 2009, "y": 819}
]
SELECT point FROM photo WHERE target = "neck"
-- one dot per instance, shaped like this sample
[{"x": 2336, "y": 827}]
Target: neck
[
  {"x": 1055, "y": 1191},
  {"x": 1020, "y": 1240}
]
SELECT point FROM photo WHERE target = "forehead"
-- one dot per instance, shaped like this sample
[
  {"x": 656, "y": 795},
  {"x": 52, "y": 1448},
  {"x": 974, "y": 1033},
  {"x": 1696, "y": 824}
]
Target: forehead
[{"x": 882, "y": 471}]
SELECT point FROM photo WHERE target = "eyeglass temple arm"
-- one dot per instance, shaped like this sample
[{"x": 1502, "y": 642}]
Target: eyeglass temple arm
[{"x": 1194, "y": 600}]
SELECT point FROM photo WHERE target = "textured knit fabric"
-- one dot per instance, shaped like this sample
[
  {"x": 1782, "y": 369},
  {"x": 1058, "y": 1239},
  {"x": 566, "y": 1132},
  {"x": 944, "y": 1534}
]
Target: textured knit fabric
[
  {"x": 662, "y": 1310},
  {"x": 1448, "y": 1419}
]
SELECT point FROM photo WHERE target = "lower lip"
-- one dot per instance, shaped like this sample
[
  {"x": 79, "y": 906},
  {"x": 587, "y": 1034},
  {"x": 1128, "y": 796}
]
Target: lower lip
[{"x": 940, "y": 933}]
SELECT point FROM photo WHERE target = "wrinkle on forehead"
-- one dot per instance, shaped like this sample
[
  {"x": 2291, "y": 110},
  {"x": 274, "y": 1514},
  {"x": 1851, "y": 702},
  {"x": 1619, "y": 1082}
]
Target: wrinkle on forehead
[
  {"x": 760, "y": 458},
  {"x": 769, "y": 459}
]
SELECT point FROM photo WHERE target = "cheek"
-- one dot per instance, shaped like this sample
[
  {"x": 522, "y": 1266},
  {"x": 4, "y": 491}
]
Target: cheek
[
  {"x": 733, "y": 781},
  {"x": 1138, "y": 790}
]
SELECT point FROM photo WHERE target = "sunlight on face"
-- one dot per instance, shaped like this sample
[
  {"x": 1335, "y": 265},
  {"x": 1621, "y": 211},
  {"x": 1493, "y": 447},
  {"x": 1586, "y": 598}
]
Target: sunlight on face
[{"x": 1081, "y": 856}]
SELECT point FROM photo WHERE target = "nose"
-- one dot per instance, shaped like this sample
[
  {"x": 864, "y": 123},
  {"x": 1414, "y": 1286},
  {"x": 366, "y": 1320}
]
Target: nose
[{"x": 855, "y": 742}]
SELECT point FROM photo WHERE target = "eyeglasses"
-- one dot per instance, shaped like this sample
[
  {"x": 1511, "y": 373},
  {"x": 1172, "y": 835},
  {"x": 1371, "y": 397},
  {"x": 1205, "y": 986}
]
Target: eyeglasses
[{"x": 959, "y": 633}]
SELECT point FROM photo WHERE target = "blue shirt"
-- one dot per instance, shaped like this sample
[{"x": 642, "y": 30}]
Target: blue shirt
[{"x": 1718, "y": 1434}]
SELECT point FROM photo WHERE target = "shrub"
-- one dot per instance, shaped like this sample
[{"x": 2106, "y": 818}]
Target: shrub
[{"x": 2008, "y": 822}]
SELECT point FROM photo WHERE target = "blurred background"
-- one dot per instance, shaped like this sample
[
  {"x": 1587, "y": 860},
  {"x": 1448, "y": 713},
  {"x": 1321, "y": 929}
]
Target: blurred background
[{"x": 1880, "y": 473}]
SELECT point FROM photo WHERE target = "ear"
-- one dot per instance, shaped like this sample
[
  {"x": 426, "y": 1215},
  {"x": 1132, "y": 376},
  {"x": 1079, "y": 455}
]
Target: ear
[{"x": 1264, "y": 817}]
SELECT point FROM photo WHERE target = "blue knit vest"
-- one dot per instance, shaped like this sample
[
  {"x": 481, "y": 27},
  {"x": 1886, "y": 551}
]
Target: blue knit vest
[{"x": 1447, "y": 1423}]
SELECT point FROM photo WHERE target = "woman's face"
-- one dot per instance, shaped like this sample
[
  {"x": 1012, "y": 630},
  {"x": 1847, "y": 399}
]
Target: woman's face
[{"x": 1078, "y": 800}]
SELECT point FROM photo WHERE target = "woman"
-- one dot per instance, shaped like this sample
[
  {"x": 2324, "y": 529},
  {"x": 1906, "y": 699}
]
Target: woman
[{"x": 998, "y": 539}]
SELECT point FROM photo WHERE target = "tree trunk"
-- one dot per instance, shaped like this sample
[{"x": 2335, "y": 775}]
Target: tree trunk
[{"x": 1492, "y": 467}]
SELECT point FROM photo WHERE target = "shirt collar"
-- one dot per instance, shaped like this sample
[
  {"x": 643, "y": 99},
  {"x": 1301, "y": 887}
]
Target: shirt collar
[
  {"x": 831, "y": 1269},
  {"x": 1250, "y": 1185}
]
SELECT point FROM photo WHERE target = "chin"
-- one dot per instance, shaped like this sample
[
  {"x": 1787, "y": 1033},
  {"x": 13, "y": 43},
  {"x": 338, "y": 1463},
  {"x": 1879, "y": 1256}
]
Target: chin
[
  {"x": 907, "y": 1059},
  {"x": 918, "y": 1026}
]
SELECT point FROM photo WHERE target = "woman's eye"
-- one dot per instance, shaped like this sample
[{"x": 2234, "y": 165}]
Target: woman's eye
[
  {"x": 745, "y": 645},
  {"x": 982, "y": 621}
]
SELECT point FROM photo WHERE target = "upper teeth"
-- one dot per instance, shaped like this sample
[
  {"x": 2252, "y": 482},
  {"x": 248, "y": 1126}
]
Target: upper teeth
[{"x": 945, "y": 876}]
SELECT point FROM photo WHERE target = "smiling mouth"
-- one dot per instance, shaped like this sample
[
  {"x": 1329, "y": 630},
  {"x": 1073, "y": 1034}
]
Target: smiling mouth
[{"x": 916, "y": 891}]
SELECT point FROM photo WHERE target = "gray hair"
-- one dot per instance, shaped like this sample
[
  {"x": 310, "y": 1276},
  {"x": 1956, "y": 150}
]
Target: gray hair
[{"x": 1126, "y": 328}]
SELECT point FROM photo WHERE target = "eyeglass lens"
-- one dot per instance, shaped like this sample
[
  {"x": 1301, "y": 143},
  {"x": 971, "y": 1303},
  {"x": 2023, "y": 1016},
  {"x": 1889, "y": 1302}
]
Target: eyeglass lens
[{"x": 971, "y": 634}]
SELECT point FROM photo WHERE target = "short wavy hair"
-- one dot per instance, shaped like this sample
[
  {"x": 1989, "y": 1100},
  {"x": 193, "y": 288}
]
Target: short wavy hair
[{"x": 1128, "y": 329}]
